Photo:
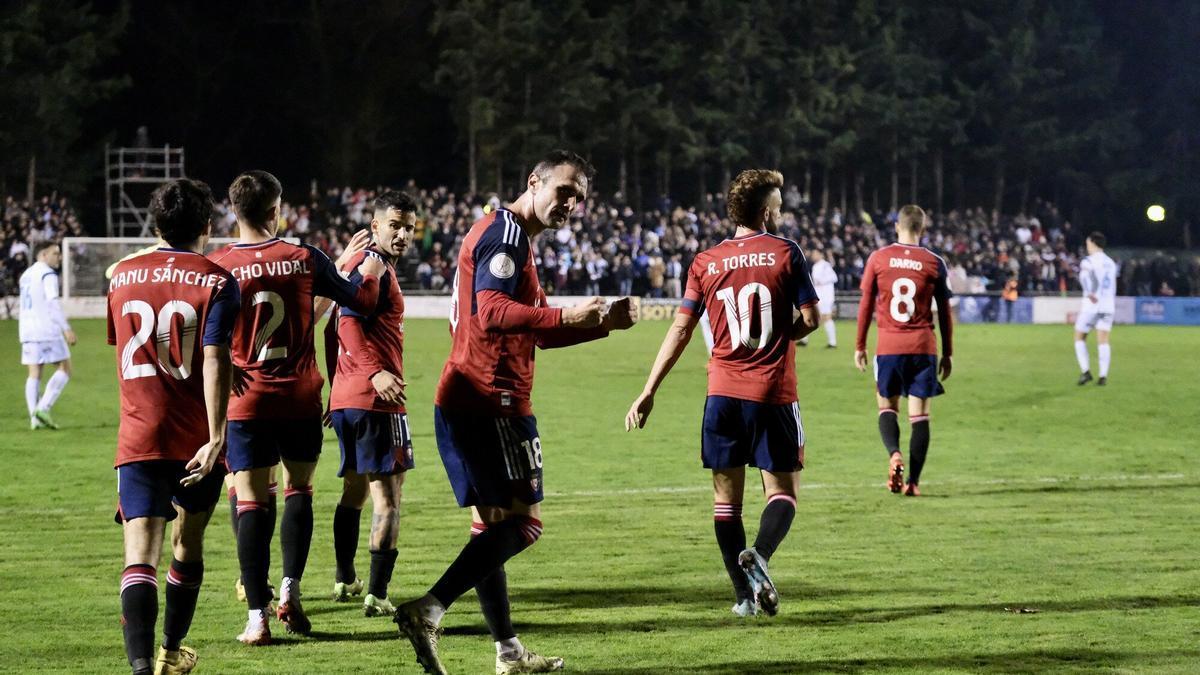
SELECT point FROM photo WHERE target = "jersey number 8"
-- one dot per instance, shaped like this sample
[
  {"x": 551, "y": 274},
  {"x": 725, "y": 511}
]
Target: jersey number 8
[
  {"x": 737, "y": 315},
  {"x": 904, "y": 291}
]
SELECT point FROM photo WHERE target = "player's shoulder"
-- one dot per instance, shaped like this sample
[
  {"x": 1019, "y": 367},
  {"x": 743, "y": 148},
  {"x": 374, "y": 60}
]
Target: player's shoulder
[
  {"x": 502, "y": 229},
  {"x": 33, "y": 271},
  {"x": 782, "y": 243},
  {"x": 935, "y": 257},
  {"x": 220, "y": 254},
  {"x": 312, "y": 252}
]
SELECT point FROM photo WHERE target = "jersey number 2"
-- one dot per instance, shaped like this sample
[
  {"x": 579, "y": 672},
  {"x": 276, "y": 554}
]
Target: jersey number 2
[
  {"x": 737, "y": 315},
  {"x": 162, "y": 339},
  {"x": 261, "y": 339}
]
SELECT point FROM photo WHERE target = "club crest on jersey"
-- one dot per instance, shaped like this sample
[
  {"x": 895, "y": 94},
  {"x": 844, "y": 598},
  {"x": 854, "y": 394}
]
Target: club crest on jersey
[
  {"x": 502, "y": 266},
  {"x": 533, "y": 484}
]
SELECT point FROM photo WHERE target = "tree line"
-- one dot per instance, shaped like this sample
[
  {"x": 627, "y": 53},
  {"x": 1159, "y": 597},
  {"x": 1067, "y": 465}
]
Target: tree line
[{"x": 866, "y": 104}]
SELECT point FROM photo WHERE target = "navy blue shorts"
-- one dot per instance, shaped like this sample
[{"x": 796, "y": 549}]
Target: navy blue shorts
[
  {"x": 907, "y": 375},
  {"x": 373, "y": 442},
  {"x": 148, "y": 490},
  {"x": 736, "y": 432},
  {"x": 490, "y": 461},
  {"x": 260, "y": 443}
]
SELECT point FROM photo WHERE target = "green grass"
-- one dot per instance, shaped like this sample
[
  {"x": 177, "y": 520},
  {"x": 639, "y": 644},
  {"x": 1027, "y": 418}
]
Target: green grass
[{"x": 1079, "y": 502}]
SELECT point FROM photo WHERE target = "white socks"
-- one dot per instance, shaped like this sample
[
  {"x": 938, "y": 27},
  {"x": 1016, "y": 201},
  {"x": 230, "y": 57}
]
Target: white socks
[
  {"x": 257, "y": 618},
  {"x": 288, "y": 589},
  {"x": 510, "y": 649},
  {"x": 31, "y": 394},
  {"x": 831, "y": 332},
  {"x": 1105, "y": 351},
  {"x": 1081, "y": 355},
  {"x": 58, "y": 381}
]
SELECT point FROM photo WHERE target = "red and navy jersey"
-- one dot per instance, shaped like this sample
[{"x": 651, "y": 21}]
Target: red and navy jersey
[
  {"x": 492, "y": 370},
  {"x": 163, "y": 309},
  {"x": 368, "y": 342},
  {"x": 898, "y": 286},
  {"x": 749, "y": 286},
  {"x": 273, "y": 337}
]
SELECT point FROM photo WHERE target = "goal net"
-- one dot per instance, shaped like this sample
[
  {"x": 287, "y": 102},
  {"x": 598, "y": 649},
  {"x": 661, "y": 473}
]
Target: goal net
[{"x": 87, "y": 260}]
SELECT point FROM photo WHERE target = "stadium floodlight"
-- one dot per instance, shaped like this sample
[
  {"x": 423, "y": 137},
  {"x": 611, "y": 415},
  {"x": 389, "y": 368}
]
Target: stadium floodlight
[{"x": 1156, "y": 213}]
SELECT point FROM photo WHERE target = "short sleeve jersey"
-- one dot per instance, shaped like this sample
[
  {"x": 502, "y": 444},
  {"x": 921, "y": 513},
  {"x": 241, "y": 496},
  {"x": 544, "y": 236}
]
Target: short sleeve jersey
[
  {"x": 273, "y": 336},
  {"x": 824, "y": 276},
  {"x": 163, "y": 308},
  {"x": 487, "y": 370},
  {"x": 749, "y": 286},
  {"x": 40, "y": 318},
  {"x": 1098, "y": 276},
  {"x": 904, "y": 280},
  {"x": 383, "y": 329}
]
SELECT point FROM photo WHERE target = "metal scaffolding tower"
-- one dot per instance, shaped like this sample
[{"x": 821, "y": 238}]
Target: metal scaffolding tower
[{"x": 130, "y": 176}]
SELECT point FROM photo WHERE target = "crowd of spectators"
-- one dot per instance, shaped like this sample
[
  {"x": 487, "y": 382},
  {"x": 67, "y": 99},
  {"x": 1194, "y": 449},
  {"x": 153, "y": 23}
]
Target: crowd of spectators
[
  {"x": 609, "y": 247},
  {"x": 25, "y": 224}
]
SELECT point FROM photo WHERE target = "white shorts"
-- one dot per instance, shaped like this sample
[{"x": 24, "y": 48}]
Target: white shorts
[
  {"x": 825, "y": 301},
  {"x": 46, "y": 351},
  {"x": 1090, "y": 318}
]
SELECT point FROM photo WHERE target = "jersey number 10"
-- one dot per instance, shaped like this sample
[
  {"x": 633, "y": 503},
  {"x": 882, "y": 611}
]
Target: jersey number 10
[{"x": 738, "y": 315}]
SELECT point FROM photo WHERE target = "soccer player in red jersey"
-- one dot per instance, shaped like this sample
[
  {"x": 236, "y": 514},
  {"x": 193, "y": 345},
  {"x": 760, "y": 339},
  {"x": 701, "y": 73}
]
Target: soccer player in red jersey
[
  {"x": 486, "y": 432},
  {"x": 367, "y": 409},
  {"x": 898, "y": 285},
  {"x": 174, "y": 394},
  {"x": 276, "y": 409},
  {"x": 748, "y": 286}
]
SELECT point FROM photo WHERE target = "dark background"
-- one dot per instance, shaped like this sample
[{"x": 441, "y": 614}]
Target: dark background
[{"x": 1094, "y": 105}]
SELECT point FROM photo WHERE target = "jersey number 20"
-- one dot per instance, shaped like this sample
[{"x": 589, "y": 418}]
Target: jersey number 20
[
  {"x": 737, "y": 315},
  {"x": 162, "y": 339}
]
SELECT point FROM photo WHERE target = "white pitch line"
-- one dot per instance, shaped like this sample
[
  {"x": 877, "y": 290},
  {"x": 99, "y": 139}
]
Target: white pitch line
[{"x": 1113, "y": 478}]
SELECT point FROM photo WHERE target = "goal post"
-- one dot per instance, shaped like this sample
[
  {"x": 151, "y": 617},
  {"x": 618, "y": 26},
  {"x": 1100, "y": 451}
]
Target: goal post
[{"x": 86, "y": 260}]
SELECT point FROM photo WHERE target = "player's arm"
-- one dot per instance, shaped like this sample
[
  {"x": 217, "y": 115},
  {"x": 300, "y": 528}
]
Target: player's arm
[
  {"x": 1087, "y": 279},
  {"x": 217, "y": 372},
  {"x": 804, "y": 296},
  {"x": 351, "y": 333},
  {"x": 806, "y": 323},
  {"x": 941, "y": 293},
  {"x": 499, "y": 264},
  {"x": 620, "y": 315},
  {"x": 866, "y": 309},
  {"x": 673, "y": 344},
  {"x": 359, "y": 242},
  {"x": 54, "y": 307},
  {"x": 360, "y": 292},
  {"x": 331, "y": 359}
]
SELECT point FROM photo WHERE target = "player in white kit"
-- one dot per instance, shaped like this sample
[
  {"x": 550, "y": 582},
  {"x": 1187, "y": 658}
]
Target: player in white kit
[
  {"x": 825, "y": 281},
  {"x": 1098, "y": 276},
  {"x": 45, "y": 335}
]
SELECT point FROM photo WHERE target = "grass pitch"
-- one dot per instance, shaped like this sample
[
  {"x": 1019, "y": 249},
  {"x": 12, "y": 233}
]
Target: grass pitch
[{"x": 1058, "y": 532}]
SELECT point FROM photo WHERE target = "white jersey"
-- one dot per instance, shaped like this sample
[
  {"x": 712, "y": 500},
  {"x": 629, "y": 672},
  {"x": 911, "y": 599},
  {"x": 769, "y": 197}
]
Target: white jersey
[
  {"x": 823, "y": 276},
  {"x": 1098, "y": 276},
  {"x": 825, "y": 284},
  {"x": 41, "y": 316}
]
